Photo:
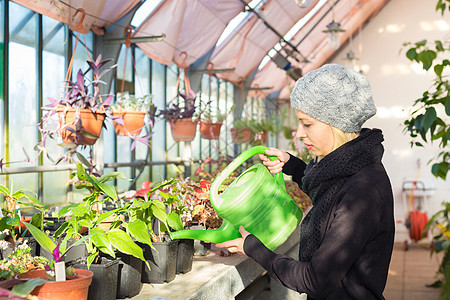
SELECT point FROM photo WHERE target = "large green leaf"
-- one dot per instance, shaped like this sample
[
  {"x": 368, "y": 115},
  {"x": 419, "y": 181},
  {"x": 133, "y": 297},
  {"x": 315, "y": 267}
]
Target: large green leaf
[
  {"x": 174, "y": 221},
  {"x": 101, "y": 241},
  {"x": 15, "y": 221},
  {"x": 429, "y": 118},
  {"x": 66, "y": 209},
  {"x": 123, "y": 242},
  {"x": 108, "y": 190},
  {"x": 80, "y": 211},
  {"x": 81, "y": 172},
  {"x": 4, "y": 190},
  {"x": 158, "y": 209},
  {"x": 41, "y": 238},
  {"x": 447, "y": 106},
  {"x": 106, "y": 215},
  {"x": 3, "y": 223},
  {"x": 19, "y": 194},
  {"x": 23, "y": 289},
  {"x": 139, "y": 230}
]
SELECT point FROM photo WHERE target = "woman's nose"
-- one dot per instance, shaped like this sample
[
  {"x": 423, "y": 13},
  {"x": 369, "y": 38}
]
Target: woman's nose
[{"x": 300, "y": 132}]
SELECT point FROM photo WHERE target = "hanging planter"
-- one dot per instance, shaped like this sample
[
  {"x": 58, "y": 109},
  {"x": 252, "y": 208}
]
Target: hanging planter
[
  {"x": 133, "y": 121},
  {"x": 241, "y": 135},
  {"x": 80, "y": 126},
  {"x": 210, "y": 131},
  {"x": 74, "y": 288},
  {"x": 183, "y": 130}
]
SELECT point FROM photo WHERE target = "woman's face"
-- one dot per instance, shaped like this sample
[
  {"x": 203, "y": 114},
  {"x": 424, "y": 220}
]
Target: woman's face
[{"x": 316, "y": 135}]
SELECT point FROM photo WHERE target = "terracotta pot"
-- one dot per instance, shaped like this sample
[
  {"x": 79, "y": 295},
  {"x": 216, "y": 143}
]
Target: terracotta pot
[
  {"x": 210, "y": 131},
  {"x": 241, "y": 135},
  {"x": 91, "y": 124},
  {"x": 75, "y": 288},
  {"x": 133, "y": 121},
  {"x": 183, "y": 130}
]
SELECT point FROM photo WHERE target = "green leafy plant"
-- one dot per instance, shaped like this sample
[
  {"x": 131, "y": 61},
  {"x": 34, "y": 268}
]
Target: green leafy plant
[
  {"x": 439, "y": 227},
  {"x": 19, "y": 261},
  {"x": 127, "y": 102},
  {"x": 14, "y": 203},
  {"x": 87, "y": 214},
  {"x": 429, "y": 120}
]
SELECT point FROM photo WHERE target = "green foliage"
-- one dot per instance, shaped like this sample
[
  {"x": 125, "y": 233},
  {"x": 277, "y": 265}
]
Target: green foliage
[
  {"x": 428, "y": 122},
  {"x": 127, "y": 102},
  {"x": 439, "y": 227},
  {"x": 20, "y": 261}
]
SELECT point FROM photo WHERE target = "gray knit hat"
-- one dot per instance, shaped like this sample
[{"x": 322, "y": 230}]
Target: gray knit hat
[{"x": 335, "y": 95}]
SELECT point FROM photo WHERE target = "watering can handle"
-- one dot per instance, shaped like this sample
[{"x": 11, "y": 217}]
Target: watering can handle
[{"x": 236, "y": 163}]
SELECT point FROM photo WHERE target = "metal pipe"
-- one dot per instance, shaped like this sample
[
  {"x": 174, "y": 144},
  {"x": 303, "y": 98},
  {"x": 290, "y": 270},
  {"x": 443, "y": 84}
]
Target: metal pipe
[{"x": 272, "y": 28}]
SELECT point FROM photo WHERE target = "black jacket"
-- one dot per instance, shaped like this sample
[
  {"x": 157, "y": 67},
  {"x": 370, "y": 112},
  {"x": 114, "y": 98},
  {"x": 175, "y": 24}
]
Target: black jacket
[{"x": 353, "y": 258}]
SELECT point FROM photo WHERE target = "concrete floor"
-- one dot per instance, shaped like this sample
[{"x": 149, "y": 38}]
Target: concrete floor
[{"x": 411, "y": 271}]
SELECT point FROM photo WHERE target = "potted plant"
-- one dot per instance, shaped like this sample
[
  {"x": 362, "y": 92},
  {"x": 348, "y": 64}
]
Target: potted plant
[
  {"x": 101, "y": 244},
  {"x": 12, "y": 224},
  {"x": 180, "y": 116},
  {"x": 128, "y": 115},
  {"x": 210, "y": 124},
  {"x": 150, "y": 217},
  {"x": 81, "y": 111},
  {"x": 241, "y": 132},
  {"x": 61, "y": 282}
]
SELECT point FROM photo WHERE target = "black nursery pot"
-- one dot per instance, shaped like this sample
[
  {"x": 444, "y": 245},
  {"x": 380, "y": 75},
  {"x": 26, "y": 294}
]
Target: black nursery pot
[
  {"x": 129, "y": 276},
  {"x": 185, "y": 255},
  {"x": 163, "y": 262},
  {"x": 104, "y": 282}
]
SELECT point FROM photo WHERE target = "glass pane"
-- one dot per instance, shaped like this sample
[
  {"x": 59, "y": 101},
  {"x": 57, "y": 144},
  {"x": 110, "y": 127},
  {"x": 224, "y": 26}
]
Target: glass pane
[
  {"x": 173, "y": 148},
  {"x": 2, "y": 90},
  {"x": 124, "y": 71},
  {"x": 22, "y": 94},
  {"x": 54, "y": 190},
  {"x": 83, "y": 52},
  {"x": 142, "y": 87},
  {"x": 159, "y": 136}
]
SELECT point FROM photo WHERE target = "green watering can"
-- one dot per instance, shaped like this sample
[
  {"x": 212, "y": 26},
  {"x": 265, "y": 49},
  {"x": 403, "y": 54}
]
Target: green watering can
[{"x": 256, "y": 200}]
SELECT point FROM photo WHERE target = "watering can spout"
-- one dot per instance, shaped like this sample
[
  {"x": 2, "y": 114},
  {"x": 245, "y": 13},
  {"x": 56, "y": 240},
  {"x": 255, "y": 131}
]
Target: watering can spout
[{"x": 225, "y": 233}]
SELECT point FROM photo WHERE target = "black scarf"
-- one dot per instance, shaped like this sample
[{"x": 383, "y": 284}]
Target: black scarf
[{"x": 323, "y": 180}]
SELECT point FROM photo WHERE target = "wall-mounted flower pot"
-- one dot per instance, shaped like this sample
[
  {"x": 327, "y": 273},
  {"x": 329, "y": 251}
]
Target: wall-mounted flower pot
[
  {"x": 89, "y": 122},
  {"x": 104, "y": 281},
  {"x": 133, "y": 121},
  {"x": 74, "y": 288},
  {"x": 185, "y": 255},
  {"x": 183, "y": 130},
  {"x": 241, "y": 135},
  {"x": 163, "y": 262},
  {"x": 210, "y": 131},
  {"x": 129, "y": 276}
]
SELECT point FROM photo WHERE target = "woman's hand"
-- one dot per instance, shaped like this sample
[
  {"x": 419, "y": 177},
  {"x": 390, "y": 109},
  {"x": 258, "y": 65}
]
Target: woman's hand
[
  {"x": 274, "y": 166},
  {"x": 236, "y": 245}
]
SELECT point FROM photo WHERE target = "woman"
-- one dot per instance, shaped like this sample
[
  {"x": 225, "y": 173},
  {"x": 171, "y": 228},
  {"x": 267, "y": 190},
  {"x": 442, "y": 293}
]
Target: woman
[{"x": 347, "y": 237}]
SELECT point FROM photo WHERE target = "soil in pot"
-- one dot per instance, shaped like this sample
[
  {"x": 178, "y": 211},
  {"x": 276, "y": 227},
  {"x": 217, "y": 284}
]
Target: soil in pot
[{"x": 74, "y": 288}]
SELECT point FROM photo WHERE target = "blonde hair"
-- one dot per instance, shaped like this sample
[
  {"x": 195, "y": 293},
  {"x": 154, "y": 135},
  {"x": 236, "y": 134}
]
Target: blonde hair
[{"x": 341, "y": 137}]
